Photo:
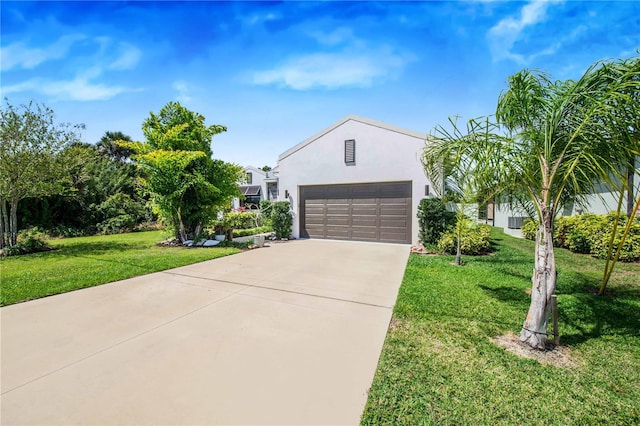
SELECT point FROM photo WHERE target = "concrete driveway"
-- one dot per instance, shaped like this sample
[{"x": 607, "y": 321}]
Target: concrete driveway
[{"x": 287, "y": 334}]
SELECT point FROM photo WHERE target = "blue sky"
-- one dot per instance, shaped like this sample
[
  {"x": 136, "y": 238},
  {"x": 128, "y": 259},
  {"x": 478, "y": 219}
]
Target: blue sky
[{"x": 277, "y": 73}]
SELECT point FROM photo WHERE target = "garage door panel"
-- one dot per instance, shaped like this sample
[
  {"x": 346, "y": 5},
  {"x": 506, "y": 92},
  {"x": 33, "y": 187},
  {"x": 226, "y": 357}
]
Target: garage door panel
[
  {"x": 365, "y": 212},
  {"x": 393, "y": 223},
  {"x": 337, "y": 231},
  {"x": 338, "y": 220},
  {"x": 314, "y": 231},
  {"x": 393, "y": 211},
  {"x": 315, "y": 220},
  {"x": 337, "y": 211},
  {"x": 315, "y": 210},
  {"x": 364, "y": 233},
  {"x": 364, "y": 221},
  {"x": 393, "y": 201}
]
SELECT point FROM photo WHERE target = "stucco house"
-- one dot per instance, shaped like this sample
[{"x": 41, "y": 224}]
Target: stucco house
[
  {"x": 512, "y": 219},
  {"x": 358, "y": 179},
  {"x": 258, "y": 185}
]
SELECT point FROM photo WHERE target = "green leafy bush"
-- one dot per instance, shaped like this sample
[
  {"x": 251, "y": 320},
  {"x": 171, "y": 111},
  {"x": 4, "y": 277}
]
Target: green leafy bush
[
  {"x": 282, "y": 219},
  {"x": 590, "y": 234},
  {"x": 251, "y": 231},
  {"x": 433, "y": 219},
  {"x": 119, "y": 213},
  {"x": 631, "y": 248},
  {"x": 475, "y": 240},
  {"x": 243, "y": 220},
  {"x": 265, "y": 208},
  {"x": 529, "y": 229},
  {"x": 29, "y": 241}
]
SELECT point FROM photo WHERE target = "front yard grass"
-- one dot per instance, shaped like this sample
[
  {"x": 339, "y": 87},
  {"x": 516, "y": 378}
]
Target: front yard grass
[
  {"x": 89, "y": 261},
  {"x": 440, "y": 365}
]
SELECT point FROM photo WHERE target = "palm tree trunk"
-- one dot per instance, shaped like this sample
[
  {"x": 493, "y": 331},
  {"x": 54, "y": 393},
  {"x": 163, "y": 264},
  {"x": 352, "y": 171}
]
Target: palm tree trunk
[
  {"x": 534, "y": 330},
  {"x": 631, "y": 171}
]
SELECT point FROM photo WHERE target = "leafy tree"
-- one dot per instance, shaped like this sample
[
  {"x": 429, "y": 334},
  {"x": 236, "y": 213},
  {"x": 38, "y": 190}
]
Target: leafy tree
[
  {"x": 31, "y": 160},
  {"x": 266, "y": 168},
  {"x": 560, "y": 142},
  {"x": 186, "y": 186}
]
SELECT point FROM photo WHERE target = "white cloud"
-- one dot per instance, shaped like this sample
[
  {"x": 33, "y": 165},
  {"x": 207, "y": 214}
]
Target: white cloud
[
  {"x": 183, "y": 88},
  {"x": 129, "y": 57},
  {"x": 505, "y": 33},
  {"x": 19, "y": 55},
  {"x": 78, "y": 89},
  {"x": 348, "y": 68}
]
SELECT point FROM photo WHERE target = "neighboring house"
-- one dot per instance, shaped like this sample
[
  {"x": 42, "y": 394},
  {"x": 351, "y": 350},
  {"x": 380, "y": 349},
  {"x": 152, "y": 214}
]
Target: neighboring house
[
  {"x": 511, "y": 220},
  {"x": 358, "y": 179},
  {"x": 258, "y": 185}
]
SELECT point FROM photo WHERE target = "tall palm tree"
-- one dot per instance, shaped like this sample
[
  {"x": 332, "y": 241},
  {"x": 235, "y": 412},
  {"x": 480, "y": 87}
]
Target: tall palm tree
[
  {"x": 557, "y": 142},
  {"x": 108, "y": 146}
]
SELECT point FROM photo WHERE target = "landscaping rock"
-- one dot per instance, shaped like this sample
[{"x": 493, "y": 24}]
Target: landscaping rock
[
  {"x": 210, "y": 243},
  {"x": 188, "y": 243}
]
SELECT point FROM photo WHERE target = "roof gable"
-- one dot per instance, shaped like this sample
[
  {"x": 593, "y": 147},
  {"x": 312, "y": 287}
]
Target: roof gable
[{"x": 345, "y": 120}]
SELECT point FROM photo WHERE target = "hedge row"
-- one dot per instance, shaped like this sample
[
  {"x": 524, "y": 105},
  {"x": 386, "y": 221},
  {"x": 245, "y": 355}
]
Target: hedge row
[{"x": 590, "y": 234}]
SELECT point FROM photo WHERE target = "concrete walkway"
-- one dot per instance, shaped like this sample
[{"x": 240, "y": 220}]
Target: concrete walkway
[{"x": 286, "y": 334}]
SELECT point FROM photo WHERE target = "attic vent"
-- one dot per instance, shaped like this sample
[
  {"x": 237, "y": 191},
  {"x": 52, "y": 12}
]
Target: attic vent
[{"x": 350, "y": 152}]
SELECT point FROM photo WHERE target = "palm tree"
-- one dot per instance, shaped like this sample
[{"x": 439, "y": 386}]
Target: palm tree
[
  {"x": 109, "y": 147},
  {"x": 557, "y": 141}
]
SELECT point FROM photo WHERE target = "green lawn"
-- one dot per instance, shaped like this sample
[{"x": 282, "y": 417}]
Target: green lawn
[
  {"x": 89, "y": 261},
  {"x": 439, "y": 364}
]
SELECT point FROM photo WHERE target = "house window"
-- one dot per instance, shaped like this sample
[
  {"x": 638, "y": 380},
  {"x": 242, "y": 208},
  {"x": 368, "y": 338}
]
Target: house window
[
  {"x": 249, "y": 178},
  {"x": 350, "y": 152},
  {"x": 515, "y": 222}
]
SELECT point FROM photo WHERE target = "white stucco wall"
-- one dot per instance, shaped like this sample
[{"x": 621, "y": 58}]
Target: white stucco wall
[{"x": 383, "y": 154}]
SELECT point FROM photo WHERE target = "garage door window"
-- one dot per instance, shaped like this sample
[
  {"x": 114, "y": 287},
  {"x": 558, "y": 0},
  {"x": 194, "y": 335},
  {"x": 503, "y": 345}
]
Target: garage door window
[{"x": 350, "y": 152}]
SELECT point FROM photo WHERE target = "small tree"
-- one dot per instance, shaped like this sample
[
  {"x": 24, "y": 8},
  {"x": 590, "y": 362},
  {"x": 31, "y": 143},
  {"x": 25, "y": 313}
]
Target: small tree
[
  {"x": 31, "y": 160},
  {"x": 563, "y": 137},
  {"x": 187, "y": 187},
  {"x": 282, "y": 219},
  {"x": 433, "y": 219}
]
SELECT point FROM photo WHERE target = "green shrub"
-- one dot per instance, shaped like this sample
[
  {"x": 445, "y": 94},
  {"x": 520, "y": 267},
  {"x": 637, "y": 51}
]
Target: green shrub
[
  {"x": 265, "y": 208},
  {"x": 242, "y": 220},
  {"x": 529, "y": 229},
  {"x": 433, "y": 219},
  {"x": 119, "y": 213},
  {"x": 578, "y": 242},
  {"x": 282, "y": 219},
  {"x": 29, "y": 241},
  {"x": 251, "y": 231},
  {"x": 475, "y": 240},
  {"x": 590, "y": 234},
  {"x": 631, "y": 248}
]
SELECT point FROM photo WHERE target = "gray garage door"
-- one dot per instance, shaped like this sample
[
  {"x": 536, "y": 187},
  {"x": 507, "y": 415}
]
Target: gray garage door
[{"x": 363, "y": 212}]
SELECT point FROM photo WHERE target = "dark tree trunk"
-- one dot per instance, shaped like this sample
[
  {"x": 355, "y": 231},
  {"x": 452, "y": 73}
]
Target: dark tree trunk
[
  {"x": 13, "y": 222},
  {"x": 4, "y": 224}
]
